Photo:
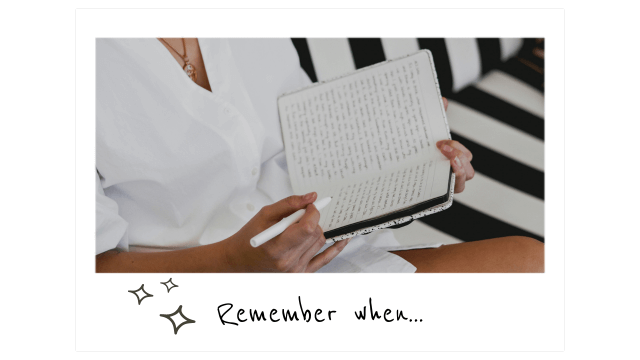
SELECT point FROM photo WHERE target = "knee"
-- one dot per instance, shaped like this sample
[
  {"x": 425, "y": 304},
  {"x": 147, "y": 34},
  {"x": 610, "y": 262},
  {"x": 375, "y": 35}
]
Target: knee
[{"x": 527, "y": 254}]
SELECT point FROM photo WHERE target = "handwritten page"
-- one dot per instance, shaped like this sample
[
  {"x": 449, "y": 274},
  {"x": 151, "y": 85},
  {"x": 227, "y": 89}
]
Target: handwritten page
[{"x": 368, "y": 140}]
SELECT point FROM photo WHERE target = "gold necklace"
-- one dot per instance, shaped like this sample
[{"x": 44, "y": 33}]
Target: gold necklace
[{"x": 189, "y": 69}]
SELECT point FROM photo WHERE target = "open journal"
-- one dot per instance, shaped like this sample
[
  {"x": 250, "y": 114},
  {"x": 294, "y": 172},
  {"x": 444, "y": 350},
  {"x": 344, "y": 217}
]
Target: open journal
[{"x": 368, "y": 140}]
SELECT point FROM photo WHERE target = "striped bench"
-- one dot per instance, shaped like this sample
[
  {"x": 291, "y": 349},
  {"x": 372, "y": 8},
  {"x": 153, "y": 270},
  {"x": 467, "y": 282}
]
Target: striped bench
[{"x": 495, "y": 89}]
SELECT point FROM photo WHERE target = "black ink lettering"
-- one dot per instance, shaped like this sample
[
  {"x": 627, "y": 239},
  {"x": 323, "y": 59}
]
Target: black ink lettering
[
  {"x": 399, "y": 315},
  {"x": 221, "y": 316},
  {"x": 306, "y": 314},
  {"x": 373, "y": 315},
  {"x": 287, "y": 313},
  {"x": 240, "y": 312},
  {"x": 331, "y": 311},
  {"x": 254, "y": 314},
  {"x": 273, "y": 312},
  {"x": 318, "y": 312},
  {"x": 387, "y": 312}
]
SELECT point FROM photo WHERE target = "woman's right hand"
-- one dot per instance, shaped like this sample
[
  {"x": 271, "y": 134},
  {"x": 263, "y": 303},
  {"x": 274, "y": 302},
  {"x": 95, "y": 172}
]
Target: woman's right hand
[{"x": 292, "y": 251}]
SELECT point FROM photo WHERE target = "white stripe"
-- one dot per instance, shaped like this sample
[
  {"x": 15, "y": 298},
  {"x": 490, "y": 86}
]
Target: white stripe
[
  {"x": 418, "y": 233},
  {"x": 509, "y": 47},
  {"x": 503, "y": 202},
  {"x": 514, "y": 91},
  {"x": 464, "y": 57},
  {"x": 496, "y": 135},
  {"x": 331, "y": 57},
  {"x": 398, "y": 47}
]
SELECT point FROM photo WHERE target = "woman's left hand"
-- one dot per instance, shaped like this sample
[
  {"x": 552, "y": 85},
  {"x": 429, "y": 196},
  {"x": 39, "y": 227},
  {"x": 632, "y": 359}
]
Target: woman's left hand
[{"x": 459, "y": 157}]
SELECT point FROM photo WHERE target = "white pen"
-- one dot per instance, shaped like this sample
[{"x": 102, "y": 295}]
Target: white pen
[{"x": 283, "y": 224}]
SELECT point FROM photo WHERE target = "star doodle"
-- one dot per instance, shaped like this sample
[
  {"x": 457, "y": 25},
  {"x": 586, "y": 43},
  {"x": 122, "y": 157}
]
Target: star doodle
[
  {"x": 169, "y": 282},
  {"x": 179, "y": 311},
  {"x": 135, "y": 292}
]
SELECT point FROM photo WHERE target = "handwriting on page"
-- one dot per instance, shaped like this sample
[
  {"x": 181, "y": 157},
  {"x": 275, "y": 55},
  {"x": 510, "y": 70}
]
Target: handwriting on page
[
  {"x": 381, "y": 194},
  {"x": 367, "y": 140},
  {"x": 363, "y": 124}
]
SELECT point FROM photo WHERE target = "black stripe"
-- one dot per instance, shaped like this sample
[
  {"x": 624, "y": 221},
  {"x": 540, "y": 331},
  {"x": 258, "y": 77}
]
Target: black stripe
[
  {"x": 489, "y": 53},
  {"x": 467, "y": 224},
  {"x": 305, "y": 57},
  {"x": 519, "y": 70},
  {"x": 441, "y": 59},
  {"x": 504, "y": 169},
  {"x": 501, "y": 110},
  {"x": 366, "y": 51}
]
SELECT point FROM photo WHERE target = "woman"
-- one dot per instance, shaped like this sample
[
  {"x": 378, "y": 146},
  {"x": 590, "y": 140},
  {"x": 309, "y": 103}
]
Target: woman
[{"x": 190, "y": 166}]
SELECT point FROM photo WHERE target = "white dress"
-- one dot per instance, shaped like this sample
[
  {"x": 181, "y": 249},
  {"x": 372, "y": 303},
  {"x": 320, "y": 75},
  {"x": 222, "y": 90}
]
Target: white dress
[{"x": 179, "y": 166}]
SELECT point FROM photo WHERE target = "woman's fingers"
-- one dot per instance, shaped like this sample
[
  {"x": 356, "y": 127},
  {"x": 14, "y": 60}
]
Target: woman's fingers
[
  {"x": 460, "y": 171},
  {"x": 460, "y": 164},
  {"x": 326, "y": 256},
  {"x": 287, "y": 206},
  {"x": 460, "y": 158},
  {"x": 312, "y": 251},
  {"x": 446, "y": 103},
  {"x": 453, "y": 144},
  {"x": 302, "y": 234},
  {"x": 468, "y": 168}
]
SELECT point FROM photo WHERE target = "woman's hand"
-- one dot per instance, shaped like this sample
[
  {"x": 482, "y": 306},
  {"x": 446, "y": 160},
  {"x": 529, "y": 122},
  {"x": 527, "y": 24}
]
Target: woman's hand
[
  {"x": 459, "y": 157},
  {"x": 292, "y": 251}
]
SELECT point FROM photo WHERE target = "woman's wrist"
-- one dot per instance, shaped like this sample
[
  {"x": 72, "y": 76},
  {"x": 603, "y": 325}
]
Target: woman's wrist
[{"x": 231, "y": 259}]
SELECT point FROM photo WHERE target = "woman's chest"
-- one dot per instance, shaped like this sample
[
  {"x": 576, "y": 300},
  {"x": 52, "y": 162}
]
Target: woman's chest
[{"x": 163, "y": 128}]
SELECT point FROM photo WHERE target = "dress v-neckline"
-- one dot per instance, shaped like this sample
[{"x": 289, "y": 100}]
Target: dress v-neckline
[{"x": 167, "y": 55}]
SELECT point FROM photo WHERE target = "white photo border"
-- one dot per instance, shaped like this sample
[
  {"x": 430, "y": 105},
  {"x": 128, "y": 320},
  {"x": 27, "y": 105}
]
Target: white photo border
[{"x": 461, "y": 312}]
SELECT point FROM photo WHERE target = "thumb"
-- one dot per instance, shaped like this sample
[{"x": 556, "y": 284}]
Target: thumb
[{"x": 289, "y": 205}]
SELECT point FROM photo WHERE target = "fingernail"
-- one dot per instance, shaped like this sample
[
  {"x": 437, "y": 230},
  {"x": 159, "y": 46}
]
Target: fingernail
[
  {"x": 457, "y": 161},
  {"x": 309, "y": 196},
  {"x": 447, "y": 148}
]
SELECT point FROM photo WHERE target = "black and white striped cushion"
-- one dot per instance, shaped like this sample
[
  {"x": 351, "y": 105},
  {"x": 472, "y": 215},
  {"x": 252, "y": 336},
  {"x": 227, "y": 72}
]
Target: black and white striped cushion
[{"x": 496, "y": 110}]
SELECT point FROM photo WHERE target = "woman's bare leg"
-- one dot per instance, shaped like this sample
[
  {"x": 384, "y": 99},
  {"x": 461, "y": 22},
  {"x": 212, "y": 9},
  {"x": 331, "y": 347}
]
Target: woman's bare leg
[{"x": 504, "y": 255}]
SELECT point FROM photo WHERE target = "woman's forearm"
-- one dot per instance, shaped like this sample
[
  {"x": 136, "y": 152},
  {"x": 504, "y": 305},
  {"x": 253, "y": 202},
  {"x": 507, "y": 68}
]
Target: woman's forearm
[{"x": 206, "y": 258}]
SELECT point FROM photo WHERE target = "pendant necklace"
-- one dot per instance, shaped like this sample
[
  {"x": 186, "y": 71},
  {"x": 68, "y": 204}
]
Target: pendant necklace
[{"x": 189, "y": 69}]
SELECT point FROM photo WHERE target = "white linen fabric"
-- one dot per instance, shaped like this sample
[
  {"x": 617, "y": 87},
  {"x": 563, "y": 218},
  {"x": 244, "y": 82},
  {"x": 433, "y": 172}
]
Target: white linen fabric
[{"x": 179, "y": 166}]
